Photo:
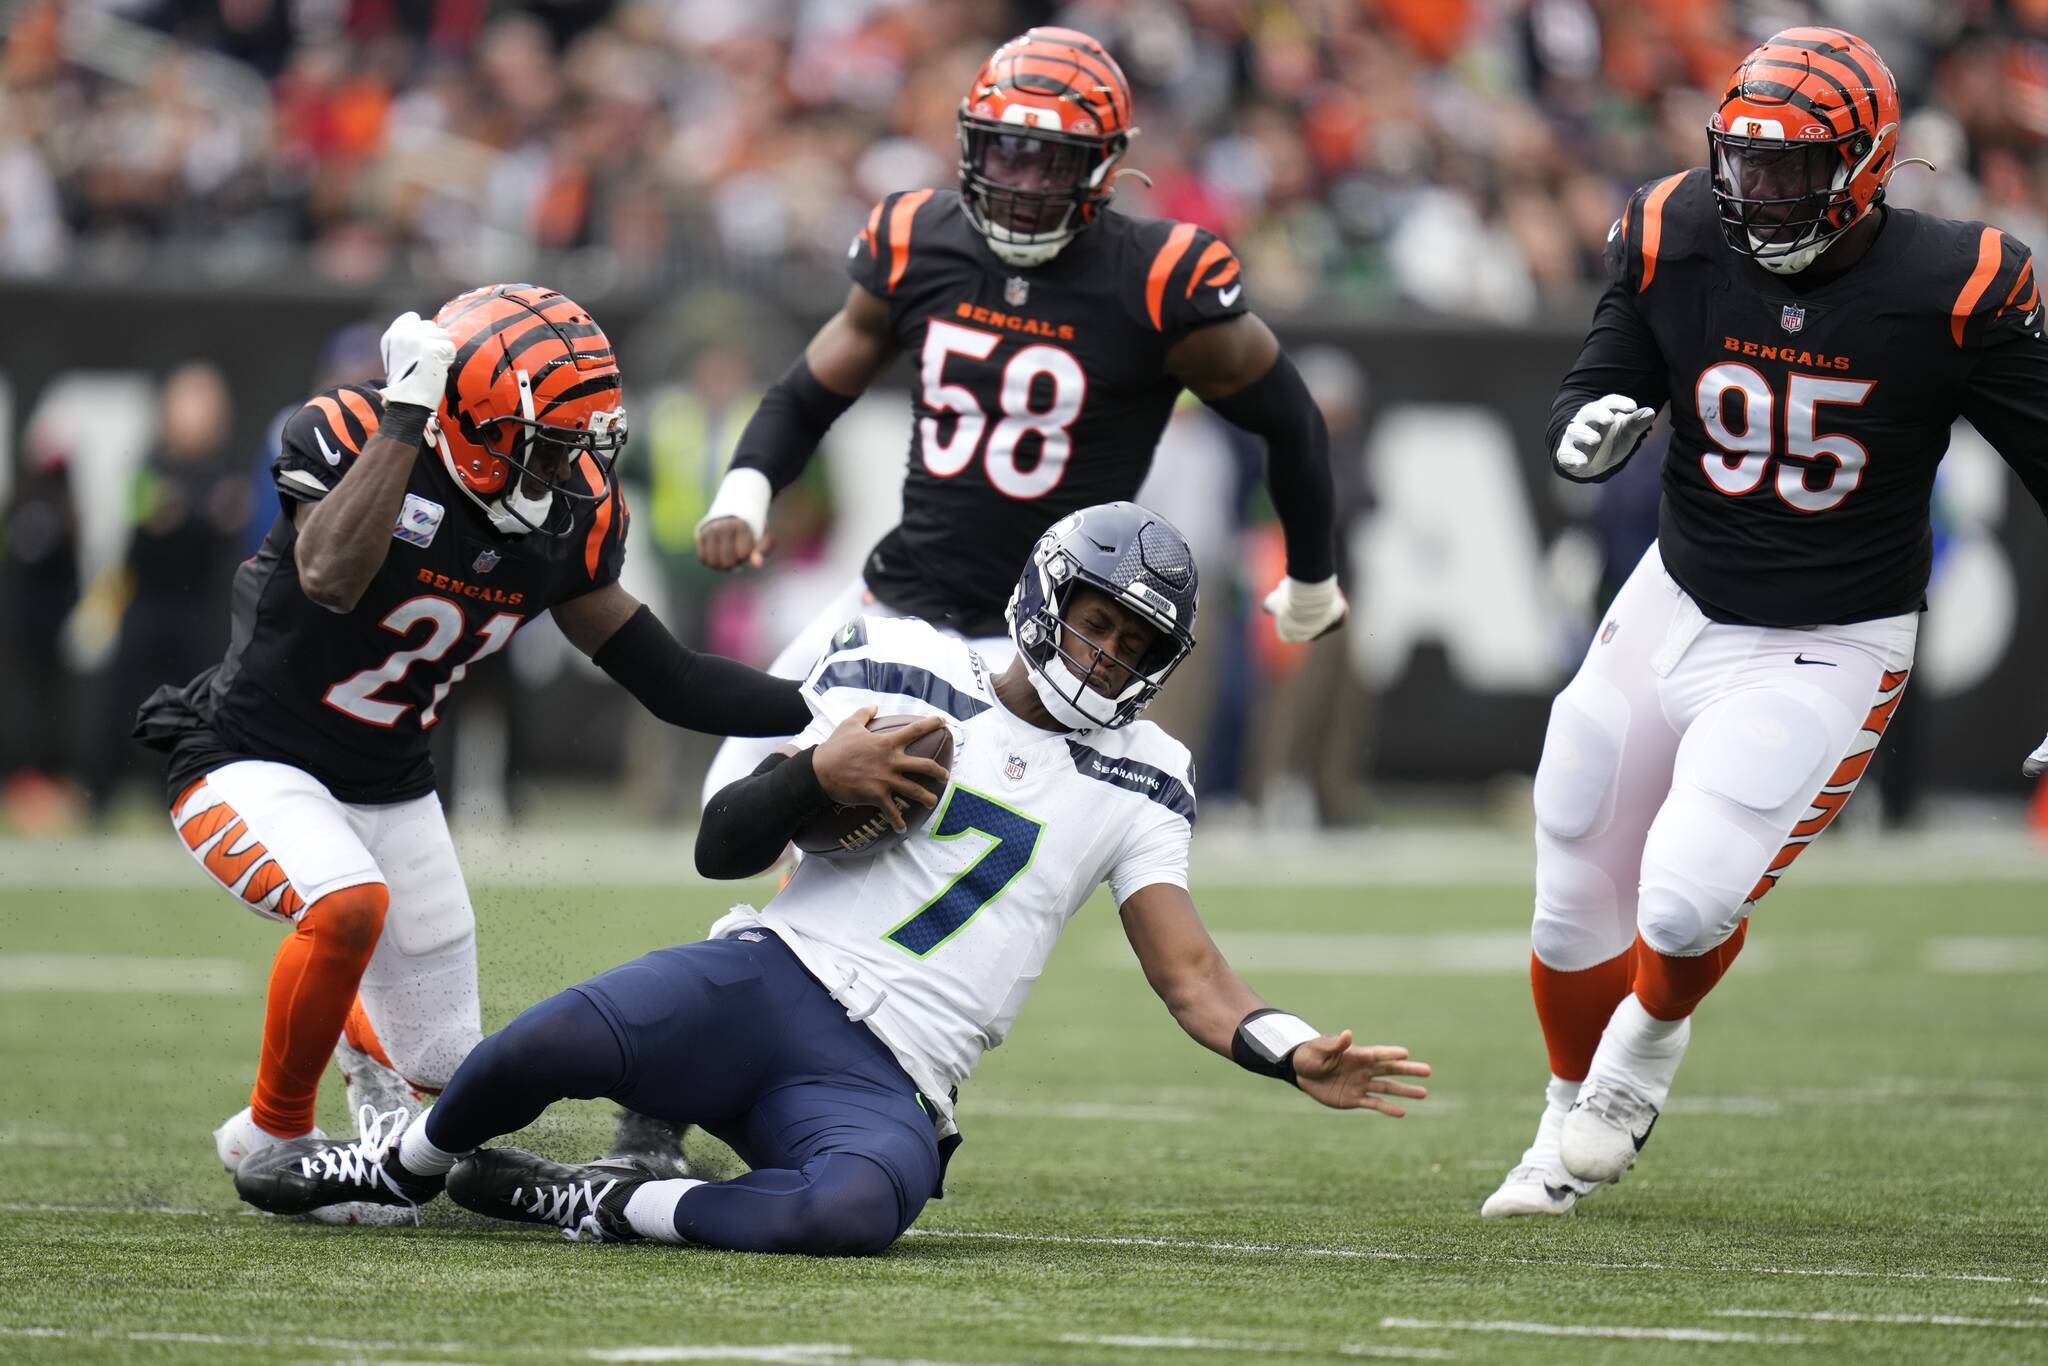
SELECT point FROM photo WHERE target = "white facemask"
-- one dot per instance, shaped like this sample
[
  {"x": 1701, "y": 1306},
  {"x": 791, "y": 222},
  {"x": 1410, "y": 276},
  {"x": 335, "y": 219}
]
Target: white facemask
[{"x": 514, "y": 500}]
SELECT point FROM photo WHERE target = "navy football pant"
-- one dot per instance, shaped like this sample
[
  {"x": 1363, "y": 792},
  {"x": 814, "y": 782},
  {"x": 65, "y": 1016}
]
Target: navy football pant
[{"x": 732, "y": 1035}]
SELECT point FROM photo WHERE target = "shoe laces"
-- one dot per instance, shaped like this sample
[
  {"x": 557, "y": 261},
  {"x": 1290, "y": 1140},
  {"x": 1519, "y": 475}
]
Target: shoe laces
[
  {"x": 1617, "y": 1103},
  {"x": 360, "y": 1162},
  {"x": 570, "y": 1203},
  {"x": 589, "y": 1229}
]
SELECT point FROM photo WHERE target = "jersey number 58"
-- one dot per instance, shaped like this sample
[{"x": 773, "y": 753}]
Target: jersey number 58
[
  {"x": 946, "y": 458},
  {"x": 1748, "y": 437}
]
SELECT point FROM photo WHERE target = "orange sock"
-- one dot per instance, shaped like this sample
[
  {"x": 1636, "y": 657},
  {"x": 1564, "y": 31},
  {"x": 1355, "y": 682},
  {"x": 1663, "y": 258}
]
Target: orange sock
[
  {"x": 1672, "y": 988},
  {"x": 312, "y": 985},
  {"x": 361, "y": 1037},
  {"x": 1574, "y": 1007}
]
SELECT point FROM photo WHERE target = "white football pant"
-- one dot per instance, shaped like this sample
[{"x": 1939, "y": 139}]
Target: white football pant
[
  {"x": 289, "y": 843},
  {"x": 1688, "y": 763}
]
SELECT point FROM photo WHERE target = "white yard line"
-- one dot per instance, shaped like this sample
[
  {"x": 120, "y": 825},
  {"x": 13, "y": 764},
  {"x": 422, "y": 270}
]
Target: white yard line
[
  {"x": 231, "y": 1340},
  {"x": 1974, "y": 955},
  {"x": 1142, "y": 1344},
  {"x": 1587, "y": 1330},
  {"x": 129, "y": 975},
  {"x": 793, "y": 1353},
  {"x": 1930, "y": 1320},
  {"x": 1382, "y": 1255}
]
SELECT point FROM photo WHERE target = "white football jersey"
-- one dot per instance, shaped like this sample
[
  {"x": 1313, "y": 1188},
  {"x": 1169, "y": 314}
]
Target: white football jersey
[{"x": 935, "y": 941}]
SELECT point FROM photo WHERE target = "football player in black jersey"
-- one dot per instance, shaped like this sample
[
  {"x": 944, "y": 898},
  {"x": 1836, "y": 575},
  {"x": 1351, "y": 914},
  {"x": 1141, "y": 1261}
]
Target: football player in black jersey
[
  {"x": 422, "y": 525},
  {"x": 1814, "y": 347},
  {"x": 1053, "y": 335}
]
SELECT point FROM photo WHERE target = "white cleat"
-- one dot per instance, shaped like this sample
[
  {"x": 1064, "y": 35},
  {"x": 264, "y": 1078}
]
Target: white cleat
[
  {"x": 1539, "y": 1184},
  {"x": 238, "y": 1136},
  {"x": 1533, "y": 1189},
  {"x": 373, "y": 1084},
  {"x": 1607, "y": 1127}
]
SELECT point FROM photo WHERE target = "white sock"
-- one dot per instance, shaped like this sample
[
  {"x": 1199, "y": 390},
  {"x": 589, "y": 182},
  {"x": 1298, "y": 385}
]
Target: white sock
[
  {"x": 1642, "y": 1050},
  {"x": 417, "y": 1153},
  {"x": 1561, "y": 1093},
  {"x": 651, "y": 1209}
]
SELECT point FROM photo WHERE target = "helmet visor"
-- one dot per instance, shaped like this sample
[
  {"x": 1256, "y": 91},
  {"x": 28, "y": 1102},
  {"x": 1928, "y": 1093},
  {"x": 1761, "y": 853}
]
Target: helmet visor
[
  {"x": 1027, "y": 180},
  {"x": 1779, "y": 195}
]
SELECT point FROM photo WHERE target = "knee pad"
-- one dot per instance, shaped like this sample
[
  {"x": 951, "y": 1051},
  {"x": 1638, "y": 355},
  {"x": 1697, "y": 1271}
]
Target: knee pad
[
  {"x": 1576, "y": 778},
  {"x": 1696, "y": 881},
  {"x": 848, "y": 1208},
  {"x": 352, "y": 917},
  {"x": 423, "y": 926},
  {"x": 1580, "y": 915},
  {"x": 1761, "y": 749}
]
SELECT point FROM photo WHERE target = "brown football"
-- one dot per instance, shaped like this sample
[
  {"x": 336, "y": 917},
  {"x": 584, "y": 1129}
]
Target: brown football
[{"x": 861, "y": 831}]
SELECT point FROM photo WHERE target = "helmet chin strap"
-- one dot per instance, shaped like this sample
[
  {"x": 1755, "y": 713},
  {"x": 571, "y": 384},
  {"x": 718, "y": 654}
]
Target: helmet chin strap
[
  {"x": 506, "y": 510},
  {"x": 1071, "y": 702}
]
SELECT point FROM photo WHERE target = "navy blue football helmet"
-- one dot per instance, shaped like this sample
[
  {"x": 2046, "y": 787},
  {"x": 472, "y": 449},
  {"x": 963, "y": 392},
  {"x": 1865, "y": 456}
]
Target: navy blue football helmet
[{"x": 1132, "y": 556}]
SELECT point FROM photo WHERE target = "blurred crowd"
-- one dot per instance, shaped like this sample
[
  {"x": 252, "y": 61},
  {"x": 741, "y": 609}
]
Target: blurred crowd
[{"x": 1464, "y": 156}]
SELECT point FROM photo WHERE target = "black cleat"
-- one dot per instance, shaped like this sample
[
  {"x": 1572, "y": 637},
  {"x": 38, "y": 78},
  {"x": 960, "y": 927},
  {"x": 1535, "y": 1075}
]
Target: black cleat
[
  {"x": 307, "y": 1174},
  {"x": 656, "y": 1144},
  {"x": 587, "y": 1201}
]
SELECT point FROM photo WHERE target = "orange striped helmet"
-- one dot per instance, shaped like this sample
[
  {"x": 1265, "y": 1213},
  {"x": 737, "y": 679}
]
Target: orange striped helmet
[
  {"x": 1041, "y": 131},
  {"x": 532, "y": 404},
  {"x": 1802, "y": 145}
]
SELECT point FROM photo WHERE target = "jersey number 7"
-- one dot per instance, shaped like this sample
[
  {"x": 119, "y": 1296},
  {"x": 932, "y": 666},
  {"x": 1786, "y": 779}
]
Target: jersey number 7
[
  {"x": 946, "y": 458},
  {"x": 1749, "y": 443},
  {"x": 1013, "y": 839}
]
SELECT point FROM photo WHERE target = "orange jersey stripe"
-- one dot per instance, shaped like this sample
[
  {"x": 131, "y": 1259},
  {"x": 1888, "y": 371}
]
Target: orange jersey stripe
[
  {"x": 593, "y": 545},
  {"x": 1653, "y": 226},
  {"x": 899, "y": 232},
  {"x": 867, "y": 234},
  {"x": 2026, "y": 278},
  {"x": 364, "y": 413},
  {"x": 1215, "y": 251},
  {"x": 1979, "y": 281},
  {"x": 331, "y": 410},
  {"x": 1176, "y": 246}
]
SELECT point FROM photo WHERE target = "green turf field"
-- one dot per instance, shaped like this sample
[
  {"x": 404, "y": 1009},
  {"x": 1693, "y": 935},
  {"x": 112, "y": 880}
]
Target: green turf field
[{"x": 1854, "y": 1166}]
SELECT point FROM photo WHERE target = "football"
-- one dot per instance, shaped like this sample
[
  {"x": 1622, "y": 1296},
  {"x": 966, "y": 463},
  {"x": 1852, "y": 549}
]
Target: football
[{"x": 861, "y": 831}]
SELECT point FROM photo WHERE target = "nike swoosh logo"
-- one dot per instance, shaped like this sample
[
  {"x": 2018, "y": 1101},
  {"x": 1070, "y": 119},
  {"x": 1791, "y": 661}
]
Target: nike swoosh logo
[
  {"x": 1227, "y": 297},
  {"x": 1802, "y": 659},
  {"x": 333, "y": 455},
  {"x": 2028, "y": 321}
]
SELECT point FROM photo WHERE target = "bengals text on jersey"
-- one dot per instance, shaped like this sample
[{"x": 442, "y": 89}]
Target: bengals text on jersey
[
  {"x": 1038, "y": 393},
  {"x": 349, "y": 697},
  {"x": 1808, "y": 416}
]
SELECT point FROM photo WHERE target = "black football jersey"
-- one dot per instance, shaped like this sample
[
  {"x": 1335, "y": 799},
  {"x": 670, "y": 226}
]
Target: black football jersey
[
  {"x": 1038, "y": 391},
  {"x": 350, "y": 697},
  {"x": 1808, "y": 416}
]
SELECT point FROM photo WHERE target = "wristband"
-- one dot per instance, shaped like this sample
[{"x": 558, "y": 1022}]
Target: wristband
[
  {"x": 745, "y": 494},
  {"x": 1265, "y": 1042},
  {"x": 405, "y": 423}
]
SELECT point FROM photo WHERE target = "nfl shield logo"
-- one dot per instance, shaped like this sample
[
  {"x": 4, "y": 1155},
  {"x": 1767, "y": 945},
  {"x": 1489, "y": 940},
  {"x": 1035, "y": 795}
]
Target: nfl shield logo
[
  {"x": 1016, "y": 290},
  {"x": 1793, "y": 318},
  {"x": 1607, "y": 631},
  {"x": 1014, "y": 769},
  {"x": 485, "y": 562}
]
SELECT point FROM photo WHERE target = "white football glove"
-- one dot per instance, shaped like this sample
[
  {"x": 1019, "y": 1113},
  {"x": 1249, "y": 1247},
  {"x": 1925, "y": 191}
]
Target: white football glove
[
  {"x": 2037, "y": 762},
  {"x": 1304, "y": 611},
  {"x": 1601, "y": 435},
  {"x": 417, "y": 355}
]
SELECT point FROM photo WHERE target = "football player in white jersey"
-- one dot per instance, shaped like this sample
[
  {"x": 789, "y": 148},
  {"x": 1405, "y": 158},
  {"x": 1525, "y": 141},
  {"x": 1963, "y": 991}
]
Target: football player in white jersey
[{"x": 825, "y": 1036}]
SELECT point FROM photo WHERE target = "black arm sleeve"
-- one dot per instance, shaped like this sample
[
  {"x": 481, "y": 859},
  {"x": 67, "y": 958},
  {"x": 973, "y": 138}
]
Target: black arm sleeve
[
  {"x": 1620, "y": 356},
  {"x": 2007, "y": 402},
  {"x": 1278, "y": 407},
  {"x": 708, "y": 693},
  {"x": 749, "y": 822},
  {"x": 785, "y": 430}
]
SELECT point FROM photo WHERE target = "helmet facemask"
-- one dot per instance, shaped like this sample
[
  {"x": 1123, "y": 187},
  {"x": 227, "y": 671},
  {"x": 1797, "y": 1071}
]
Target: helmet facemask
[
  {"x": 1029, "y": 189},
  {"x": 544, "y": 459},
  {"x": 1782, "y": 203},
  {"x": 1065, "y": 664}
]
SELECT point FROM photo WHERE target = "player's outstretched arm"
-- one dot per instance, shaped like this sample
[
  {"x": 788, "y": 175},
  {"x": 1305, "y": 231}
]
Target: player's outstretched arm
[
  {"x": 748, "y": 823},
  {"x": 795, "y": 413},
  {"x": 1220, "y": 1012},
  {"x": 1238, "y": 369},
  {"x": 343, "y": 540},
  {"x": 701, "y": 692}
]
